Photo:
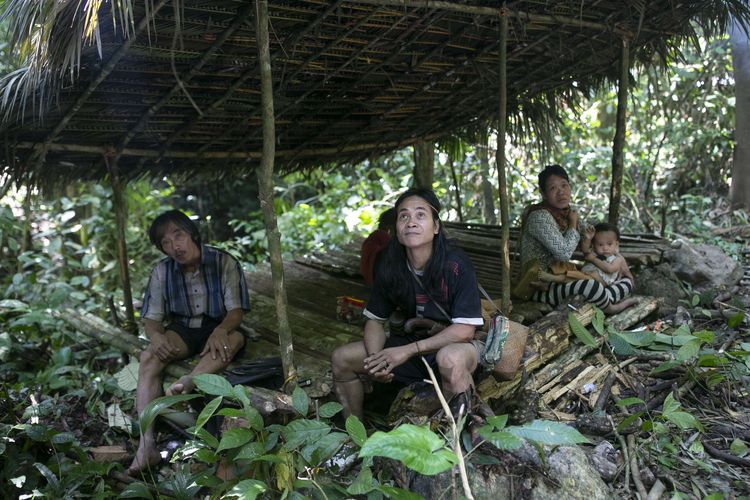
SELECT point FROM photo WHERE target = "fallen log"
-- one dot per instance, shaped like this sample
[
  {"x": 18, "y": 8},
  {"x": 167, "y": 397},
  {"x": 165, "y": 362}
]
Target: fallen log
[
  {"x": 266, "y": 401},
  {"x": 620, "y": 321}
]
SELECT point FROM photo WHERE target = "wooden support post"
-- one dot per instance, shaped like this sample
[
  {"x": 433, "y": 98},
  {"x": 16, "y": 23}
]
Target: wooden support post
[
  {"x": 121, "y": 216},
  {"x": 488, "y": 202},
  {"x": 456, "y": 186},
  {"x": 501, "y": 177},
  {"x": 424, "y": 164},
  {"x": 618, "y": 145},
  {"x": 265, "y": 193}
]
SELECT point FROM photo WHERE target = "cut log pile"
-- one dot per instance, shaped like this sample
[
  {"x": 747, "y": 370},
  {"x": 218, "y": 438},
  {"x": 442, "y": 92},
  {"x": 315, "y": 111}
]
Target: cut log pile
[
  {"x": 481, "y": 243},
  {"x": 550, "y": 348}
]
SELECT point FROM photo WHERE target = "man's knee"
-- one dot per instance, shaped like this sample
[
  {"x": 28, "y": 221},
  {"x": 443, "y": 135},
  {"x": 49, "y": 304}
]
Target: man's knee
[
  {"x": 452, "y": 362},
  {"x": 343, "y": 358},
  {"x": 150, "y": 362}
]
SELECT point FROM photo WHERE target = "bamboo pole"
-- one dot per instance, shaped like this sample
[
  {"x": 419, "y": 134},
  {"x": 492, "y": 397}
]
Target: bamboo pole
[
  {"x": 501, "y": 169},
  {"x": 488, "y": 203},
  {"x": 456, "y": 186},
  {"x": 265, "y": 187},
  {"x": 121, "y": 216},
  {"x": 497, "y": 11},
  {"x": 618, "y": 144}
]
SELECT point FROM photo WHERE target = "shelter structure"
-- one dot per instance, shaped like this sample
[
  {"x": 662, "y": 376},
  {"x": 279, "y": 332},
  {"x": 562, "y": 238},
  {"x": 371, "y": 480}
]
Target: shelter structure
[{"x": 174, "y": 87}]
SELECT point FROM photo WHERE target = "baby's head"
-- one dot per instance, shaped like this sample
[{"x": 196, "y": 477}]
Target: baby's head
[{"x": 606, "y": 241}]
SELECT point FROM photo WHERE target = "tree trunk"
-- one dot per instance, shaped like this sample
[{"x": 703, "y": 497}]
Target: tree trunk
[
  {"x": 265, "y": 194},
  {"x": 121, "y": 216},
  {"x": 424, "y": 164},
  {"x": 618, "y": 145},
  {"x": 451, "y": 164},
  {"x": 501, "y": 168},
  {"x": 740, "y": 189},
  {"x": 488, "y": 202}
]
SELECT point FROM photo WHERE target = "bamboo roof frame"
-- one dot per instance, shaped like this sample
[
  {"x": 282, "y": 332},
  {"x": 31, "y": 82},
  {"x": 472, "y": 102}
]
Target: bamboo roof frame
[{"x": 178, "y": 92}]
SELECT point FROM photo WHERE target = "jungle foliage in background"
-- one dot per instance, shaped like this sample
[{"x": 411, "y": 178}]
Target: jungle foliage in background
[{"x": 58, "y": 249}]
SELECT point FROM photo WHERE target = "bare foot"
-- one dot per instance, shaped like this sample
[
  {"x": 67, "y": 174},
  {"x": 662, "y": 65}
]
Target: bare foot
[
  {"x": 620, "y": 306},
  {"x": 184, "y": 385},
  {"x": 144, "y": 458}
]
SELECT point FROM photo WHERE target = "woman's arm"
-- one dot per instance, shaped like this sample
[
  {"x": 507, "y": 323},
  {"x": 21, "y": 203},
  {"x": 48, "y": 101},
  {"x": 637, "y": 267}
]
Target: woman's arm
[{"x": 543, "y": 228}]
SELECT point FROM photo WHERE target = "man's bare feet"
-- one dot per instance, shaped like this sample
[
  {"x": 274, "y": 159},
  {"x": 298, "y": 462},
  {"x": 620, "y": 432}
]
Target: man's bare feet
[
  {"x": 620, "y": 306},
  {"x": 144, "y": 458},
  {"x": 184, "y": 385}
]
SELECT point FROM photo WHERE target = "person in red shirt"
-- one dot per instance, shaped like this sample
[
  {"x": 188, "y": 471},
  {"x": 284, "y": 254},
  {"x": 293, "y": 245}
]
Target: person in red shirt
[{"x": 376, "y": 242}]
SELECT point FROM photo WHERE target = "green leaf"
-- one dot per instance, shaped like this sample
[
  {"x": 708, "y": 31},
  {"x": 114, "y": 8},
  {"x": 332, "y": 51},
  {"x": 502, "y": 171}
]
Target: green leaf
[
  {"x": 684, "y": 420},
  {"x": 673, "y": 340},
  {"x": 158, "y": 405},
  {"x": 689, "y": 350},
  {"x": 207, "y": 437},
  {"x": 13, "y": 305},
  {"x": 363, "y": 484},
  {"x": 50, "y": 476},
  {"x": 548, "y": 432},
  {"x": 670, "y": 404},
  {"x": 580, "y": 331},
  {"x": 663, "y": 367},
  {"x": 641, "y": 338},
  {"x": 250, "y": 451},
  {"x": 399, "y": 493},
  {"x": 136, "y": 490},
  {"x": 356, "y": 430},
  {"x": 738, "y": 447},
  {"x": 330, "y": 409},
  {"x": 127, "y": 378},
  {"x": 418, "y": 448},
  {"x": 733, "y": 322},
  {"x": 254, "y": 418},
  {"x": 212, "y": 384},
  {"x": 621, "y": 346},
  {"x": 503, "y": 440},
  {"x": 624, "y": 403},
  {"x": 598, "y": 321},
  {"x": 63, "y": 437},
  {"x": 234, "y": 438},
  {"x": 300, "y": 401},
  {"x": 247, "y": 489},
  {"x": 498, "y": 422},
  {"x": 628, "y": 420},
  {"x": 323, "y": 449},
  {"x": 207, "y": 412},
  {"x": 304, "y": 431}
]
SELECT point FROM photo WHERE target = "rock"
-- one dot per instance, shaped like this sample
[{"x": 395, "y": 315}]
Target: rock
[
  {"x": 661, "y": 282},
  {"x": 569, "y": 475},
  {"x": 682, "y": 317},
  {"x": 573, "y": 476},
  {"x": 605, "y": 459},
  {"x": 704, "y": 266}
]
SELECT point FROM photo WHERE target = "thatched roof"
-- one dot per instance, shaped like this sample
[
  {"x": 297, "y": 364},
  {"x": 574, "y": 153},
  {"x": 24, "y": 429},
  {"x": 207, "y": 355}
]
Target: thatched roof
[{"x": 352, "y": 78}]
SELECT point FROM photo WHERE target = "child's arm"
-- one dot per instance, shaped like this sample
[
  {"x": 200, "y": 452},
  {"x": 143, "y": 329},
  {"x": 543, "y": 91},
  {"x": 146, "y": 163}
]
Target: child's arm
[
  {"x": 608, "y": 267},
  {"x": 624, "y": 269}
]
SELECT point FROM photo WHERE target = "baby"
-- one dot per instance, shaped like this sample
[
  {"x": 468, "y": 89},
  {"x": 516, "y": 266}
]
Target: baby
[{"x": 604, "y": 263}]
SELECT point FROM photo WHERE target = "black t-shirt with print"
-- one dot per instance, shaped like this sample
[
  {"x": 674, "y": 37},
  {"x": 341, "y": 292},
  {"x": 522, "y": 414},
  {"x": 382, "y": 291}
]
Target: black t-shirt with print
[{"x": 458, "y": 295}]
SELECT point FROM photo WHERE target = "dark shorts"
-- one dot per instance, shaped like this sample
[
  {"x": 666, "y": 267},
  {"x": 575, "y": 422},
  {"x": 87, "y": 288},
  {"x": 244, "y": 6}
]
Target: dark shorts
[
  {"x": 414, "y": 369},
  {"x": 195, "y": 338}
]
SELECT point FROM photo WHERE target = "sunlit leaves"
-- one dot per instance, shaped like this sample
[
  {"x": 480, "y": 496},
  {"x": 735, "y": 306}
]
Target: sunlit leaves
[{"x": 416, "y": 447}]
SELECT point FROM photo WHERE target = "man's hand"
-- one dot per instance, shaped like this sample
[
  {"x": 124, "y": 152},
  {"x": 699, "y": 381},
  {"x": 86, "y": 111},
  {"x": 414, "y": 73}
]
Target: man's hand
[
  {"x": 380, "y": 364},
  {"x": 218, "y": 345},
  {"x": 162, "y": 347}
]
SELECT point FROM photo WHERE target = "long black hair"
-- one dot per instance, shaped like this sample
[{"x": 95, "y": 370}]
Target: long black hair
[
  {"x": 392, "y": 271},
  {"x": 180, "y": 220}
]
